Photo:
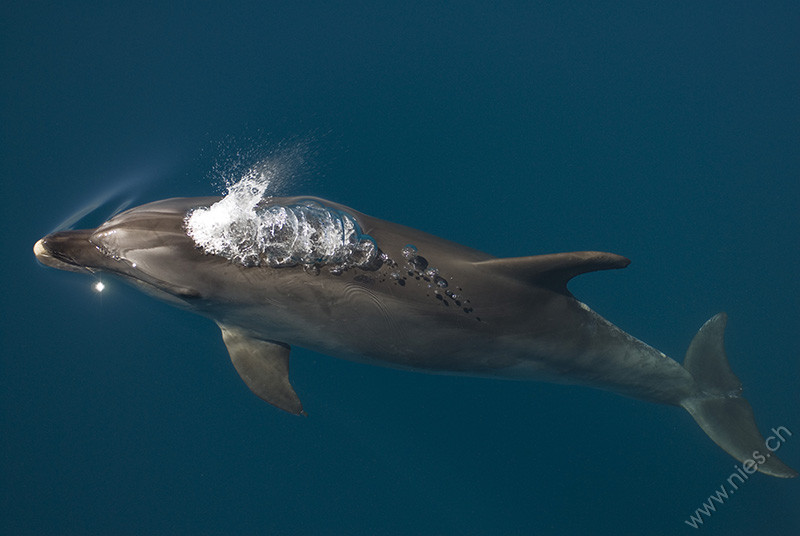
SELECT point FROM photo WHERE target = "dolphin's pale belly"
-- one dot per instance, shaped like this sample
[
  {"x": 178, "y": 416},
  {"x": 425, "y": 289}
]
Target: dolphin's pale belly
[{"x": 416, "y": 327}]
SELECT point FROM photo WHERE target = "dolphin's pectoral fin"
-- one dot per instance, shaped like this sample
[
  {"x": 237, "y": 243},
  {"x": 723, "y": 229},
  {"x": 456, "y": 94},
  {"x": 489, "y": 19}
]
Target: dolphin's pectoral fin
[
  {"x": 264, "y": 367},
  {"x": 554, "y": 271}
]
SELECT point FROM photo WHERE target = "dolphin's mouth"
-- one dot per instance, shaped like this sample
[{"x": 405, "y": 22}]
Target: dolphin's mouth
[
  {"x": 53, "y": 260},
  {"x": 66, "y": 250}
]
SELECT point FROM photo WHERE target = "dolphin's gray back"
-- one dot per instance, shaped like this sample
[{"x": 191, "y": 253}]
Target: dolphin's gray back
[{"x": 393, "y": 236}]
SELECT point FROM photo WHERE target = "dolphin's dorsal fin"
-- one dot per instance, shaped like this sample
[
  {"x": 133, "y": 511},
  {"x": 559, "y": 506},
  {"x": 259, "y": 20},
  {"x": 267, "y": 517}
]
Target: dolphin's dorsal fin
[
  {"x": 555, "y": 270},
  {"x": 264, "y": 367}
]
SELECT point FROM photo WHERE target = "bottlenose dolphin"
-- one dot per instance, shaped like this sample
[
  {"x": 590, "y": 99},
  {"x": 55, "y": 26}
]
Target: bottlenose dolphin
[{"x": 316, "y": 274}]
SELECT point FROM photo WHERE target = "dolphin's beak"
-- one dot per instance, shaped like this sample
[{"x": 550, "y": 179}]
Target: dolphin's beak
[{"x": 68, "y": 250}]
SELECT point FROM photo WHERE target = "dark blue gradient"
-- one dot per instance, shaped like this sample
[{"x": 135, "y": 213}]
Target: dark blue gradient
[{"x": 668, "y": 133}]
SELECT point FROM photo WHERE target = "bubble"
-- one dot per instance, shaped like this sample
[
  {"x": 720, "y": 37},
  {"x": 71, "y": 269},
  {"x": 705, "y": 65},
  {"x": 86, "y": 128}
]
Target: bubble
[
  {"x": 409, "y": 251},
  {"x": 419, "y": 262},
  {"x": 245, "y": 229}
]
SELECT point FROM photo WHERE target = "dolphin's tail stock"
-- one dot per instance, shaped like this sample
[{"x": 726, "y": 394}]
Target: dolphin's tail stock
[{"x": 720, "y": 409}]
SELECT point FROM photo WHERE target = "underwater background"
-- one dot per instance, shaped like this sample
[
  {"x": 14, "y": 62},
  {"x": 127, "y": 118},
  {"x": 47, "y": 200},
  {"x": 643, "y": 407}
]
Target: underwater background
[{"x": 665, "y": 132}]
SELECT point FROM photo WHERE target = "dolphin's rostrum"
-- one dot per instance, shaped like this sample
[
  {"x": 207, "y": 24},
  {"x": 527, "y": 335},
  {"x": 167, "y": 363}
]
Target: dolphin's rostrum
[{"x": 315, "y": 274}]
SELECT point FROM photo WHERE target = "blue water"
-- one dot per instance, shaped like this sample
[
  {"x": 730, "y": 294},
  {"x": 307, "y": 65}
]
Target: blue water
[{"x": 668, "y": 134}]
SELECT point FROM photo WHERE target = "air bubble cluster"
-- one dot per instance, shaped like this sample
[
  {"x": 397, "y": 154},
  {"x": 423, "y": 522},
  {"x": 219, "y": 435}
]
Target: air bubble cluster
[{"x": 254, "y": 234}]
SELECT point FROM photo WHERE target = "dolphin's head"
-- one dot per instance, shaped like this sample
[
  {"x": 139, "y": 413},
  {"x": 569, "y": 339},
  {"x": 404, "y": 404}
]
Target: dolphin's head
[
  {"x": 208, "y": 256},
  {"x": 147, "y": 245}
]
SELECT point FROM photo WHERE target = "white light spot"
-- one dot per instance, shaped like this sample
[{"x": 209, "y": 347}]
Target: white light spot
[{"x": 99, "y": 286}]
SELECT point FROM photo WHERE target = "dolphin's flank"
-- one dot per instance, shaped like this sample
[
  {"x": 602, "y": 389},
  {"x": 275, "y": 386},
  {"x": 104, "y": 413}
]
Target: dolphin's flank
[{"x": 311, "y": 273}]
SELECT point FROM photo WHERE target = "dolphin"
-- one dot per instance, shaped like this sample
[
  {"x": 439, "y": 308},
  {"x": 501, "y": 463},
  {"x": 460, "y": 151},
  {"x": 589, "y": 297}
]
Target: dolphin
[{"x": 304, "y": 271}]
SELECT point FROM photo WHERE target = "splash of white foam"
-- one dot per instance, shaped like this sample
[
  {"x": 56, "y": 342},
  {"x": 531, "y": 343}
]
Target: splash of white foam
[{"x": 245, "y": 228}]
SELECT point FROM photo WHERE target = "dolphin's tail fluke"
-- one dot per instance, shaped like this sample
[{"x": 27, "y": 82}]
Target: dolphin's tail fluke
[{"x": 720, "y": 409}]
